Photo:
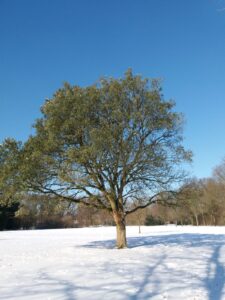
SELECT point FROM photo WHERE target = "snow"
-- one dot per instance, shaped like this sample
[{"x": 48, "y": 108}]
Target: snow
[{"x": 163, "y": 262}]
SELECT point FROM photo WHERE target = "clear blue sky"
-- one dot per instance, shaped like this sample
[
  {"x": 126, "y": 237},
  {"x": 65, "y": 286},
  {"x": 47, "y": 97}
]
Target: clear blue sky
[{"x": 46, "y": 42}]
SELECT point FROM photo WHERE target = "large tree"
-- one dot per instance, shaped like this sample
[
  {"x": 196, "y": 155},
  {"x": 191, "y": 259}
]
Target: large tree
[{"x": 115, "y": 145}]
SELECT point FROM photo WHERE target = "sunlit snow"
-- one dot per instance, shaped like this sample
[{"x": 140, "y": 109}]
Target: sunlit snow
[{"x": 163, "y": 262}]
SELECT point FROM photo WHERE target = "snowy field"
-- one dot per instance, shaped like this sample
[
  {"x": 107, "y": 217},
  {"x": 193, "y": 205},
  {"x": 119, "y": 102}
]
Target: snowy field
[{"x": 163, "y": 262}]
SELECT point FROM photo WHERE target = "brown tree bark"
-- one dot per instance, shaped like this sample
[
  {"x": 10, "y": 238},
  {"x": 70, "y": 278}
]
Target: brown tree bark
[{"x": 121, "y": 240}]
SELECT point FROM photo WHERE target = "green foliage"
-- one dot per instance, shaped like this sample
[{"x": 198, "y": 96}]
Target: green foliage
[
  {"x": 10, "y": 183},
  {"x": 107, "y": 144}
]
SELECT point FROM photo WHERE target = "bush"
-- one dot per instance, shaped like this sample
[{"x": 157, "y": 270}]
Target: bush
[
  {"x": 7, "y": 216},
  {"x": 151, "y": 221}
]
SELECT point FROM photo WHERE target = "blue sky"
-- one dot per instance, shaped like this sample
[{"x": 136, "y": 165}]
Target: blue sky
[{"x": 46, "y": 42}]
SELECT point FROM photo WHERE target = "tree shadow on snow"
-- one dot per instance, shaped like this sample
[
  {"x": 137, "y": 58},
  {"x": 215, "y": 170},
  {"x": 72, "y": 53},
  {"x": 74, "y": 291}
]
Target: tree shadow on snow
[
  {"x": 214, "y": 281},
  {"x": 184, "y": 239},
  {"x": 151, "y": 275},
  {"x": 54, "y": 287}
]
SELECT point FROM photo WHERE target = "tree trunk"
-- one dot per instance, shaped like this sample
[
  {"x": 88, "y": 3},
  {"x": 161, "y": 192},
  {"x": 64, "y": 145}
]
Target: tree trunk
[
  {"x": 196, "y": 220},
  {"x": 121, "y": 240},
  {"x": 139, "y": 224},
  {"x": 203, "y": 219}
]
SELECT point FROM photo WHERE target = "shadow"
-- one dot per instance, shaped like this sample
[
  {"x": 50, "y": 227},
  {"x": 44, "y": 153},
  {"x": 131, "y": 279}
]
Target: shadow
[
  {"x": 181, "y": 239},
  {"x": 143, "y": 292},
  {"x": 51, "y": 287},
  {"x": 215, "y": 279},
  {"x": 131, "y": 276},
  {"x": 213, "y": 282},
  {"x": 44, "y": 286}
]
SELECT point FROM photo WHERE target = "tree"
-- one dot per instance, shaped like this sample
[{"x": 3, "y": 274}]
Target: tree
[
  {"x": 45, "y": 211},
  {"x": 9, "y": 172},
  {"x": 190, "y": 198},
  {"x": 8, "y": 183},
  {"x": 214, "y": 198},
  {"x": 219, "y": 173},
  {"x": 112, "y": 146}
]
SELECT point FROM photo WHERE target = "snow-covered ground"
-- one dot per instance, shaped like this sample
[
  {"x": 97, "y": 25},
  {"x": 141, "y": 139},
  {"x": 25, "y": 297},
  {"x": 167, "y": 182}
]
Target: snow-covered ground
[{"x": 163, "y": 262}]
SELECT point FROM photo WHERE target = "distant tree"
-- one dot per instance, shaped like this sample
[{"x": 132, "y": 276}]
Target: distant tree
[
  {"x": 139, "y": 216},
  {"x": 214, "y": 200},
  {"x": 107, "y": 146},
  {"x": 91, "y": 216},
  {"x": 190, "y": 200},
  {"x": 9, "y": 171},
  {"x": 219, "y": 172},
  {"x": 199, "y": 202},
  {"x": 9, "y": 183},
  {"x": 153, "y": 221},
  {"x": 219, "y": 191},
  {"x": 45, "y": 211}
]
